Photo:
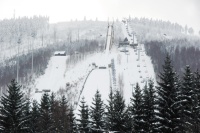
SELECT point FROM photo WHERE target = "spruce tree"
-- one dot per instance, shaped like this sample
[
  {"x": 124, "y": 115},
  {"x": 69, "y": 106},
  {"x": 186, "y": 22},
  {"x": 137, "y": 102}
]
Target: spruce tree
[
  {"x": 110, "y": 112},
  {"x": 64, "y": 114},
  {"x": 137, "y": 110},
  {"x": 187, "y": 98},
  {"x": 128, "y": 117},
  {"x": 72, "y": 121},
  {"x": 149, "y": 108},
  {"x": 54, "y": 112},
  {"x": 167, "y": 99},
  {"x": 119, "y": 113},
  {"x": 27, "y": 115},
  {"x": 97, "y": 114},
  {"x": 35, "y": 115},
  {"x": 84, "y": 117},
  {"x": 45, "y": 114},
  {"x": 12, "y": 119},
  {"x": 196, "y": 104}
]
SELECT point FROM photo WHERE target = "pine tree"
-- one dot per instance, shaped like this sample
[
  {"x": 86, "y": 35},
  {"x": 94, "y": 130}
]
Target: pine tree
[
  {"x": 149, "y": 108},
  {"x": 45, "y": 114},
  {"x": 167, "y": 98},
  {"x": 35, "y": 115},
  {"x": 196, "y": 104},
  {"x": 55, "y": 112},
  {"x": 128, "y": 117},
  {"x": 97, "y": 114},
  {"x": 137, "y": 110},
  {"x": 187, "y": 98},
  {"x": 84, "y": 117},
  {"x": 72, "y": 121},
  {"x": 12, "y": 119},
  {"x": 64, "y": 114},
  {"x": 119, "y": 113},
  {"x": 110, "y": 112},
  {"x": 27, "y": 115}
]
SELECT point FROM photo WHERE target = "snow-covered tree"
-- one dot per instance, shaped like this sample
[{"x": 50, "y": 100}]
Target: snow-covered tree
[
  {"x": 35, "y": 117},
  {"x": 27, "y": 115},
  {"x": 137, "y": 110},
  {"x": 12, "y": 107},
  {"x": 196, "y": 103},
  {"x": 167, "y": 98},
  {"x": 119, "y": 113},
  {"x": 84, "y": 117},
  {"x": 72, "y": 121},
  {"x": 191, "y": 30},
  {"x": 97, "y": 114},
  {"x": 63, "y": 112},
  {"x": 149, "y": 108},
  {"x": 187, "y": 98},
  {"x": 45, "y": 114},
  {"x": 110, "y": 112}
]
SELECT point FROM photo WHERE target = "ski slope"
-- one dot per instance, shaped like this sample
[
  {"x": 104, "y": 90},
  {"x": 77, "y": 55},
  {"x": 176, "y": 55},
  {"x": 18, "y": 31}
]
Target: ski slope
[
  {"x": 53, "y": 78},
  {"x": 126, "y": 67},
  {"x": 129, "y": 70},
  {"x": 94, "y": 83}
]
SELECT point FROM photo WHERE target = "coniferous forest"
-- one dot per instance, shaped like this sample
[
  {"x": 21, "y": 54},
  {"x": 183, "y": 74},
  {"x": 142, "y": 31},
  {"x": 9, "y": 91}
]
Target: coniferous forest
[{"x": 172, "y": 106}]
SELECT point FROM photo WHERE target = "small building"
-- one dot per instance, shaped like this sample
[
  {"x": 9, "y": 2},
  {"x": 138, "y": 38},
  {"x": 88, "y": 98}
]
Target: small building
[
  {"x": 60, "y": 53},
  {"x": 46, "y": 90}
]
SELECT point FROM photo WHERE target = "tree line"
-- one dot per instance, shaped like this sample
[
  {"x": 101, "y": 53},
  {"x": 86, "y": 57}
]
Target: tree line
[
  {"x": 172, "y": 106},
  {"x": 182, "y": 51}
]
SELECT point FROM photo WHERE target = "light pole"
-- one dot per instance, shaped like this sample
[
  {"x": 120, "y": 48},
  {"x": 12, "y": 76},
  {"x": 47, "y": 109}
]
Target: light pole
[
  {"x": 18, "y": 42},
  {"x": 132, "y": 87}
]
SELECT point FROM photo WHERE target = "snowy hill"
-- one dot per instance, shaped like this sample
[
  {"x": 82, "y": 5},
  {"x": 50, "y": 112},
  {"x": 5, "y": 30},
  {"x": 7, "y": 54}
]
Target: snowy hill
[{"x": 128, "y": 71}]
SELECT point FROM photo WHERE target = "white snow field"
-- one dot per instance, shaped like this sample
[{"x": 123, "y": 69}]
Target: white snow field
[
  {"x": 128, "y": 71},
  {"x": 53, "y": 77}
]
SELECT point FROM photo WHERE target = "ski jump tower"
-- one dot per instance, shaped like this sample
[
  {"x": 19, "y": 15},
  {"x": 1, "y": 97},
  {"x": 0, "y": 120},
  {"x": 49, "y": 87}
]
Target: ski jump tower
[{"x": 109, "y": 37}]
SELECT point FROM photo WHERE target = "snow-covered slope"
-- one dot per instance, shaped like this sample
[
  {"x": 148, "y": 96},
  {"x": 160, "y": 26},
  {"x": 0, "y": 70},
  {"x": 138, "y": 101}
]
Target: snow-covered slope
[
  {"x": 53, "y": 78},
  {"x": 128, "y": 71}
]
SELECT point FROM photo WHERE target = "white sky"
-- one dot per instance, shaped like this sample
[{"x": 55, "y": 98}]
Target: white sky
[{"x": 181, "y": 11}]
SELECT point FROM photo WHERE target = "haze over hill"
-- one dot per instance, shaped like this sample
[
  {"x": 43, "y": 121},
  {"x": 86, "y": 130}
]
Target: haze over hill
[{"x": 180, "y": 11}]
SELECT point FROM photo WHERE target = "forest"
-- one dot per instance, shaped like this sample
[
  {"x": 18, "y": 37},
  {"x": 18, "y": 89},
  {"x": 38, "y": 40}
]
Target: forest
[{"x": 171, "y": 106}]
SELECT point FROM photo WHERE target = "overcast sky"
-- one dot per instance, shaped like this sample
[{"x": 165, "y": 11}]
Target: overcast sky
[{"x": 180, "y": 11}]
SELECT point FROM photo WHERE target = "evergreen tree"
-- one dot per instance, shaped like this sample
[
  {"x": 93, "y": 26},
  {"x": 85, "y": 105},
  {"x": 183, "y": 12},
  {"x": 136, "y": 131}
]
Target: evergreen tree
[
  {"x": 119, "y": 113},
  {"x": 167, "y": 98},
  {"x": 27, "y": 115},
  {"x": 128, "y": 117},
  {"x": 72, "y": 121},
  {"x": 149, "y": 108},
  {"x": 45, "y": 114},
  {"x": 54, "y": 112},
  {"x": 35, "y": 115},
  {"x": 187, "y": 98},
  {"x": 110, "y": 112},
  {"x": 64, "y": 114},
  {"x": 137, "y": 110},
  {"x": 12, "y": 119},
  {"x": 97, "y": 114},
  {"x": 196, "y": 104},
  {"x": 84, "y": 117}
]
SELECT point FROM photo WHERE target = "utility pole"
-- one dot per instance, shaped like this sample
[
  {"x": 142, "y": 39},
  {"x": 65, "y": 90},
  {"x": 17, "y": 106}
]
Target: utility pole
[
  {"x": 33, "y": 36},
  {"x": 18, "y": 42}
]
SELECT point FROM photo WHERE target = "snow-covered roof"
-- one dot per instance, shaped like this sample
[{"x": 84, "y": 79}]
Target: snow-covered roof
[{"x": 59, "y": 52}]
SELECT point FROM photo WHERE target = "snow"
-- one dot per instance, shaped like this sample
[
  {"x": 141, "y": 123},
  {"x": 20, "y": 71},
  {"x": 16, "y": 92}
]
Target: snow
[
  {"x": 53, "y": 78},
  {"x": 58, "y": 73},
  {"x": 98, "y": 79}
]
